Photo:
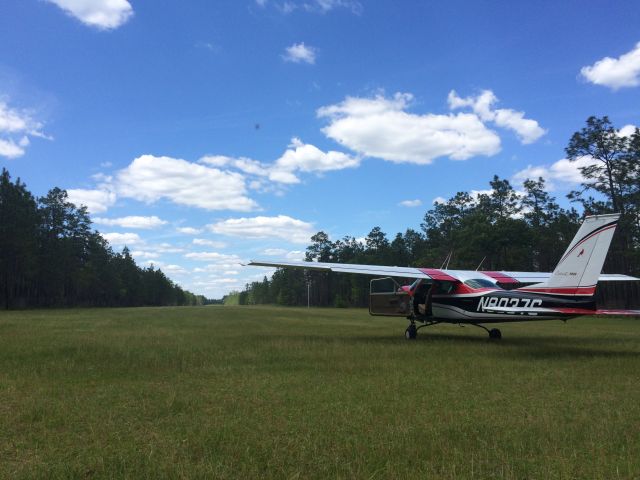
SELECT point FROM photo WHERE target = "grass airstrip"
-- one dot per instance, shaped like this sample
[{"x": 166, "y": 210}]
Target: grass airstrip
[{"x": 265, "y": 392}]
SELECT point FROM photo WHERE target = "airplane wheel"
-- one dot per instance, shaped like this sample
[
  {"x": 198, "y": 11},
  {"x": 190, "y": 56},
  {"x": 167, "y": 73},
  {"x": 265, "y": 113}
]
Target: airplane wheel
[
  {"x": 495, "y": 334},
  {"x": 411, "y": 332}
]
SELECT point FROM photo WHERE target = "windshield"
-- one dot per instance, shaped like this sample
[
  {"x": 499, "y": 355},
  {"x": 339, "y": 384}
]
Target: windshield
[{"x": 480, "y": 283}]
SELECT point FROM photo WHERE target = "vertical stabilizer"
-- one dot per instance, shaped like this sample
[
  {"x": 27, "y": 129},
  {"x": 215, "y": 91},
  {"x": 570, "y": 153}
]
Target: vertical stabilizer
[{"x": 579, "y": 268}]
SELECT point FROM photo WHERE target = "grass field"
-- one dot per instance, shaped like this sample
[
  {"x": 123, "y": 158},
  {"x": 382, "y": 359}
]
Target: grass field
[{"x": 242, "y": 392}]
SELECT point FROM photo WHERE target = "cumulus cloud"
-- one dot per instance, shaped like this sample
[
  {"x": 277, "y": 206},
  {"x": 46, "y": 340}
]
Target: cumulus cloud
[
  {"x": 96, "y": 201},
  {"x": 189, "y": 230},
  {"x": 282, "y": 227},
  {"x": 300, "y": 53},
  {"x": 10, "y": 149},
  {"x": 308, "y": 158},
  {"x": 410, "y": 203},
  {"x": 149, "y": 179},
  {"x": 16, "y": 126},
  {"x": 615, "y": 73},
  {"x": 142, "y": 254},
  {"x": 562, "y": 172},
  {"x": 209, "y": 243},
  {"x": 627, "y": 131},
  {"x": 101, "y": 14},
  {"x": 274, "y": 252},
  {"x": 527, "y": 130},
  {"x": 215, "y": 257},
  {"x": 299, "y": 156},
  {"x": 121, "y": 239},
  {"x": 381, "y": 127},
  {"x": 283, "y": 253},
  {"x": 132, "y": 221}
]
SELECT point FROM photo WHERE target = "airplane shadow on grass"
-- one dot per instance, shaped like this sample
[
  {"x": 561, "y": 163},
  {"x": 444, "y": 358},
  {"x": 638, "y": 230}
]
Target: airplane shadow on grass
[
  {"x": 539, "y": 347},
  {"x": 536, "y": 347}
]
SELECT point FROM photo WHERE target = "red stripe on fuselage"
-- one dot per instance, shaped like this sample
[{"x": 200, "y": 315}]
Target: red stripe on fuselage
[
  {"x": 575, "y": 311},
  {"x": 560, "y": 290}
]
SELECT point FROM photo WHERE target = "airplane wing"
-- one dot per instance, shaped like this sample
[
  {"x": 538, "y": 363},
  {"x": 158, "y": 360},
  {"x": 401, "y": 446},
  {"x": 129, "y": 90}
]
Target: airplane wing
[
  {"x": 404, "y": 272},
  {"x": 429, "y": 273}
]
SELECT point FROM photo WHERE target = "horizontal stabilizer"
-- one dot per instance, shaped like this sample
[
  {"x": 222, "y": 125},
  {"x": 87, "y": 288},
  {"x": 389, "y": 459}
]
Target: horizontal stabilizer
[{"x": 635, "y": 313}]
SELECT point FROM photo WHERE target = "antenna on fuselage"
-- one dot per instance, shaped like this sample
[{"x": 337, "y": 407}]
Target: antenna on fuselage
[
  {"x": 481, "y": 262},
  {"x": 445, "y": 264}
]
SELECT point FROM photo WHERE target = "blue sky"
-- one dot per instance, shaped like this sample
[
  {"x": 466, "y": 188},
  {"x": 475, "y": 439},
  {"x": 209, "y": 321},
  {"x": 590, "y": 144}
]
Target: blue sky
[{"x": 203, "y": 134}]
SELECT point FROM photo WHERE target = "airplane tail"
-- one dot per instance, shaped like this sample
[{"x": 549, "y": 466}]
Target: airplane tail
[{"x": 579, "y": 268}]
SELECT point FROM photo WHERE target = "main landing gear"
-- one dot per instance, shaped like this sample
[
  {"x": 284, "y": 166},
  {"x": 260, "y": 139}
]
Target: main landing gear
[
  {"x": 411, "y": 333},
  {"x": 494, "y": 333}
]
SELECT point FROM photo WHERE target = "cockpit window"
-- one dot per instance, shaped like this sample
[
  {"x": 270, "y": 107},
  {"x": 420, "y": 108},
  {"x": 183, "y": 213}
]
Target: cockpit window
[{"x": 480, "y": 283}]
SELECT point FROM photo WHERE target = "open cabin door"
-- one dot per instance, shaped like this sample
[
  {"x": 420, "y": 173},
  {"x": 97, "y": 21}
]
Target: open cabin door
[{"x": 387, "y": 298}]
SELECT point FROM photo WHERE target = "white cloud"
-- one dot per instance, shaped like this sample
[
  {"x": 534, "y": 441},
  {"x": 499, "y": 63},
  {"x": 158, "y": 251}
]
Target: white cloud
[
  {"x": 144, "y": 254},
  {"x": 101, "y": 14},
  {"x": 173, "y": 269},
  {"x": 527, "y": 130},
  {"x": 149, "y": 178},
  {"x": 215, "y": 257},
  {"x": 295, "y": 255},
  {"x": 96, "y": 201},
  {"x": 189, "y": 230},
  {"x": 308, "y": 158},
  {"x": 132, "y": 221},
  {"x": 299, "y": 156},
  {"x": 563, "y": 171},
  {"x": 627, "y": 131},
  {"x": 314, "y": 6},
  {"x": 274, "y": 252},
  {"x": 439, "y": 200},
  {"x": 410, "y": 203},
  {"x": 282, "y": 253},
  {"x": 10, "y": 149},
  {"x": 300, "y": 53},
  {"x": 121, "y": 239},
  {"x": 209, "y": 243},
  {"x": 327, "y": 5},
  {"x": 167, "y": 248},
  {"x": 16, "y": 126},
  {"x": 615, "y": 73},
  {"x": 380, "y": 127},
  {"x": 282, "y": 226}
]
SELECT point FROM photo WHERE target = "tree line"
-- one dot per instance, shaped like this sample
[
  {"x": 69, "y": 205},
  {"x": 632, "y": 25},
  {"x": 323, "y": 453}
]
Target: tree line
[
  {"x": 499, "y": 230},
  {"x": 51, "y": 257}
]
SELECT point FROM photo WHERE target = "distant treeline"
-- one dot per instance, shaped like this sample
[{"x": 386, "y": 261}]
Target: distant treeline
[
  {"x": 50, "y": 256},
  {"x": 499, "y": 230}
]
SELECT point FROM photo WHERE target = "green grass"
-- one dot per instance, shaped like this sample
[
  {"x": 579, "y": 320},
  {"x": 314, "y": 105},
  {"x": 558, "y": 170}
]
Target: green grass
[{"x": 241, "y": 392}]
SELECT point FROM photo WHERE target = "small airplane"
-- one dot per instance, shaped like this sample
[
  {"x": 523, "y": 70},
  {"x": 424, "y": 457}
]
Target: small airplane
[{"x": 475, "y": 298}]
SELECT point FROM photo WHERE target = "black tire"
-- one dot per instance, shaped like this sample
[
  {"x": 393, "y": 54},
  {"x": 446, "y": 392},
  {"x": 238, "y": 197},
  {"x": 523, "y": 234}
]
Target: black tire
[
  {"x": 411, "y": 332},
  {"x": 495, "y": 334}
]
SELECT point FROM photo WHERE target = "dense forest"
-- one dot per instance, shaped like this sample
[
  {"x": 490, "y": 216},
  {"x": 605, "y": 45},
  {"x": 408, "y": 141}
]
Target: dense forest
[
  {"x": 500, "y": 230},
  {"x": 50, "y": 256}
]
